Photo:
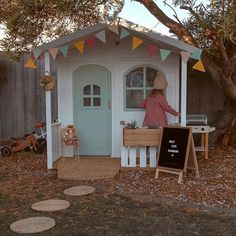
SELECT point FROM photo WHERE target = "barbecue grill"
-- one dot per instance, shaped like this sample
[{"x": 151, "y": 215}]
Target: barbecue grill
[
  {"x": 198, "y": 123},
  {"x": 196, "y": 120}
]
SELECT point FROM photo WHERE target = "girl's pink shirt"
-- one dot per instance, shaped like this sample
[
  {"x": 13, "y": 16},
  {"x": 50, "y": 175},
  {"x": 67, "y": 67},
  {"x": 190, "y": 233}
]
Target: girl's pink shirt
[{"x": 156, "y": 106}]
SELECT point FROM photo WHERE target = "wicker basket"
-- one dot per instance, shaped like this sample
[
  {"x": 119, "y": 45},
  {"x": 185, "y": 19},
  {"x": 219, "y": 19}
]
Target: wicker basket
[{"x": 47, "y": 82}]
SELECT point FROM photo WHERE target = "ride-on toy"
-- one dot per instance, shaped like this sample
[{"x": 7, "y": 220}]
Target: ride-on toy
[
  {"x": 41, "y": 134},
  {"x": 22, "y": 144}
]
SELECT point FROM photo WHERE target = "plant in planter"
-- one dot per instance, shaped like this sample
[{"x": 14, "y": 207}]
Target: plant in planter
[{"x": 131, "y": 125}]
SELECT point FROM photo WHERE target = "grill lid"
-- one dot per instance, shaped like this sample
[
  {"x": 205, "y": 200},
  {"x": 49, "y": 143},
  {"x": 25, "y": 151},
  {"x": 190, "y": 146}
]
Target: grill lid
[{"x": 196, "y": 120}]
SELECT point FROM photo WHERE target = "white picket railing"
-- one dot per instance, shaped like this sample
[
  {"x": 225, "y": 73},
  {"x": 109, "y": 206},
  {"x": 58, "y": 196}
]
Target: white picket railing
[
  {"x": 56, "y": 141},
  {"x": 130, "y": 155}
]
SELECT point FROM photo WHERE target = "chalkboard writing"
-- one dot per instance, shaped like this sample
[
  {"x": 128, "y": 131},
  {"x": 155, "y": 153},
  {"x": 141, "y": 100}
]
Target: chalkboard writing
[{"x": 174, "y": 147}]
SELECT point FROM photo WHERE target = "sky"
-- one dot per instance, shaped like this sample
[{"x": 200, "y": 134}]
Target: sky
[{"x": 137, "y": 13}]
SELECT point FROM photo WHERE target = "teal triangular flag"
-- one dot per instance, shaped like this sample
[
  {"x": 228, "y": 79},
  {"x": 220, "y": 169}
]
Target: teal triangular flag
[
  {"x": 102, "y": 36},
  {"x": 197, "y": 54},
  {"x": 124, "y": 33},
  {"x": 164, "y": 54},
  {"x": 64, "y": 50},
  {"x": 36, "y": 52}
]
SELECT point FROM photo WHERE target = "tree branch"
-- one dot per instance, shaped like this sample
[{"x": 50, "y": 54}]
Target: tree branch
[
  {"x": 175, "y": 13},
  {"x": 177, "y": 28},
  {"x": 191, "y": 11}
]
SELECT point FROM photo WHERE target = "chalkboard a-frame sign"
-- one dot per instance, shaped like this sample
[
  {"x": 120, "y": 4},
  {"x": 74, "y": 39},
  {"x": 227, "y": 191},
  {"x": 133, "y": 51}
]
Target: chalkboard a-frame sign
[{"x": 176, "y": 147}]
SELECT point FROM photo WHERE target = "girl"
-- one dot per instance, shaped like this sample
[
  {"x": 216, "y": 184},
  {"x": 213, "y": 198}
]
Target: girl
[{"x": 156, "y": 105}]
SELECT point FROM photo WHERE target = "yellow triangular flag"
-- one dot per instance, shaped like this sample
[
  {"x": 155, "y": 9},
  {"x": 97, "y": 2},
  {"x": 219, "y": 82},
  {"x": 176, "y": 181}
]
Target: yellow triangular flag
[
  {"x": 136, "y": 42},
  {"x": 30, "y": 63},
  {"x": 199, "y": 66},
  {"x": 80, "y": 46}
]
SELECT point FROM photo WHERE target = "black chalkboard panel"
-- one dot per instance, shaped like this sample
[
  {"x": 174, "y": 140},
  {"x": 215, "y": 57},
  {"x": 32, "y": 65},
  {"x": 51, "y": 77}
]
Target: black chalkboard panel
[{"x": 174, "y": 145}]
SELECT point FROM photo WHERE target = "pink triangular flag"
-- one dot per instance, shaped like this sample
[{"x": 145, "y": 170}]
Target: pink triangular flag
[
  {"x": 185, "y": 56},
  {"x": 152, "y": 50},
  {"x": 53, "y": 52},
  {"x": 32, "y": 56},
  {"x": 90, "y": 41},
  {"x": 114, "y": 28}
]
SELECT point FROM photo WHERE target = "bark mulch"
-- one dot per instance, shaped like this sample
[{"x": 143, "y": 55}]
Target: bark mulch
[{"x": 133, "y": 203}]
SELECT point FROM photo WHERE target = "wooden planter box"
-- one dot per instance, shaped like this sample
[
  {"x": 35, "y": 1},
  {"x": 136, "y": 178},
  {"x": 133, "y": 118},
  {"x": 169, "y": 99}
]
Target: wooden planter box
[{"x": 141, "y": 137}]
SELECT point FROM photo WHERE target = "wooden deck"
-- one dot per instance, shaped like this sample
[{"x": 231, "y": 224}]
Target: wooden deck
[{"x": 88, "y": 168}]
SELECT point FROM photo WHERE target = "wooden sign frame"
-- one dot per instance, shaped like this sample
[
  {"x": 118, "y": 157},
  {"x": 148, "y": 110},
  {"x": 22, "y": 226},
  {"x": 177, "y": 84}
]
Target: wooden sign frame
[{"x": 190, "y": 159}]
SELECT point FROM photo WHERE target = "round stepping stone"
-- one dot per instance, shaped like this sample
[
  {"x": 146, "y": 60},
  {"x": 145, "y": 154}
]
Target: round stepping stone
[
  {"x": 79, "y": 190},
  {"x": 50, "y": 205},
  {"x": 32, "y": 225}
]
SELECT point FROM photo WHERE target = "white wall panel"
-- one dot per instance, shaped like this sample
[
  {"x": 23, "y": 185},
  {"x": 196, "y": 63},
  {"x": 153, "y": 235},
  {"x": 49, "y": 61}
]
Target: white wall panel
[{"x": 118, "y": 59}]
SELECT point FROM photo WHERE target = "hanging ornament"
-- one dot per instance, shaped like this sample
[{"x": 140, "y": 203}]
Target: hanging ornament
[{"x": 47, "y": 82}]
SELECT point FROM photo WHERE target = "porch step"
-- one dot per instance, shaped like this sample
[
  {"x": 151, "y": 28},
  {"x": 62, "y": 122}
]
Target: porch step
[{"x": 87, "y": 168}]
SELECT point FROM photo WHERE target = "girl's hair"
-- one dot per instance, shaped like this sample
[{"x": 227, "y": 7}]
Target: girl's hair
[{"x": 154, "y": 92}]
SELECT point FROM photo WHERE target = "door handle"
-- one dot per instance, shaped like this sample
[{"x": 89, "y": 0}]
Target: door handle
[{"x": 109, "y": 104}]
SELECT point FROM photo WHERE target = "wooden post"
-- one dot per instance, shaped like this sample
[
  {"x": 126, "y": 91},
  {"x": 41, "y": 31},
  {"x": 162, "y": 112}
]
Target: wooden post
[
  {"x": 183, "y": 93},
  {"x": 48, "y": 115},
  {"x": 153, "y": 156},
  {"x": 143, "y": 157},
  {"x": 124, "y": 156},
  {"x": 132, "y": 156},
  {"x": 206, "y": 145}
]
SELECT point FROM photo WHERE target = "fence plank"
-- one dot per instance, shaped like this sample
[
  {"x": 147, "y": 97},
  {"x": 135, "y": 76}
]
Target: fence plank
[{"x": 22, "y": 100}]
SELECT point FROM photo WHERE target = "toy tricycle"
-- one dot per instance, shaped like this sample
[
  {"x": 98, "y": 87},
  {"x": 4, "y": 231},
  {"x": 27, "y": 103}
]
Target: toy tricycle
[{"x": 22, "y": 144}]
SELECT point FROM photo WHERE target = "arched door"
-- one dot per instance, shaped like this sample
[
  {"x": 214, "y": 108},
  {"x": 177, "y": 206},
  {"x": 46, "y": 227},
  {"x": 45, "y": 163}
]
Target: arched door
[{"x": 92, "y": 109}]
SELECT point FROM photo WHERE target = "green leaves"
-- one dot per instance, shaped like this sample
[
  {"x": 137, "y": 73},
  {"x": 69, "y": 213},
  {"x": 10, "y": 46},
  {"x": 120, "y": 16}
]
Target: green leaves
[{"x": 32, "y": 22}]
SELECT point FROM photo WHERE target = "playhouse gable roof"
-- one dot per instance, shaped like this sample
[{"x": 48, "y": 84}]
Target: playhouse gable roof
[{"x": 150, "y": 36}]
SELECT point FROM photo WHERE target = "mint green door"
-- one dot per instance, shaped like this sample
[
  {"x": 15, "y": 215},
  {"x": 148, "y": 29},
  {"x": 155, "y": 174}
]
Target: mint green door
[{"x": 91, "y": 88}]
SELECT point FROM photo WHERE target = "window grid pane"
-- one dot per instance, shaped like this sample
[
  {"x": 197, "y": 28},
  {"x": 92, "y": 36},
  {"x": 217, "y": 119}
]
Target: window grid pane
[
  {"x": 96, "y": 90},
  {"x": 87, "y": 102},
  {"x": 139, "y": 83},
  {"x": 87, "y": 90},
  {"x": 97, "y": 102}
]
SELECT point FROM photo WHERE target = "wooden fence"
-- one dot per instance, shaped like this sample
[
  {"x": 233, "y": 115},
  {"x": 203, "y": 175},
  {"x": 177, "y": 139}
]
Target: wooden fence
[{"x": 22, "y": 100}]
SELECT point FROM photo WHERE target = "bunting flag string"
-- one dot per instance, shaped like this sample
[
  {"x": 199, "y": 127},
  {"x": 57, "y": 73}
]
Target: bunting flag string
[
  {"x": 199, "y": 66},
  {"x": 114, "y": 28},
  {"x": 164, "y": 54},
  {"x": 196, "y": 55},
  {"x": 185, "y": 56},
  {"x": 136, "y": 42},
  {"x": 90, "y": 41},
  {"x": 124, "y": 33},
  {"x": 36, "y": 52},
  {"x": 64, "y": 50},
  {"x": 101, "y": 36},
  {"x": 30, "y": 63},
  {"x": 53, "y": 52},
  {"x": 80, "y": 46},
  {"x": 152, "y": 50}
]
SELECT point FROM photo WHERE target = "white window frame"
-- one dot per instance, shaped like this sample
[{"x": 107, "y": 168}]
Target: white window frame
[{"x": 144, "y": 88}]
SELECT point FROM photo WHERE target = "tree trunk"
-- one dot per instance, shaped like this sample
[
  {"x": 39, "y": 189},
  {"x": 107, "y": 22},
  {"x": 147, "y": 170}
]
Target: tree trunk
[
  {"x": 223, "y": 123},
  {"x": 221, "y": 72}
]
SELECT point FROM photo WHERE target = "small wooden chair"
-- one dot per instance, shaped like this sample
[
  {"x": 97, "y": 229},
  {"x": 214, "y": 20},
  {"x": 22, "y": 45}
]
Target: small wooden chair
[{"x": 69, "y": 138}]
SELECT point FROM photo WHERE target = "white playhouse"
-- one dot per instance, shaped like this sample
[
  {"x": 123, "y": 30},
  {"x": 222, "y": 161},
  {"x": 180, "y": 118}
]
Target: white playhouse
[{"x": 103, "y": 74}]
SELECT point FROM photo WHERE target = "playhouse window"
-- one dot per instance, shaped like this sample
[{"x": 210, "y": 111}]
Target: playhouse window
[
  {"x": 91, "y": 96},
  {"x": 138, "y": 85}
]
